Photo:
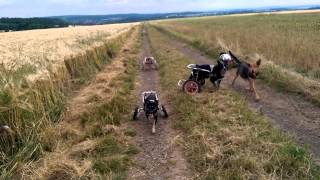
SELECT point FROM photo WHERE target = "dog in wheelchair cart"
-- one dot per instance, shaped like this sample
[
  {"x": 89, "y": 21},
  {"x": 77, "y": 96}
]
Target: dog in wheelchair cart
[
  {"x": 149, "y": 63},
  {"x": 151, "y": 107},
  {"x": 201, "y": 72}
]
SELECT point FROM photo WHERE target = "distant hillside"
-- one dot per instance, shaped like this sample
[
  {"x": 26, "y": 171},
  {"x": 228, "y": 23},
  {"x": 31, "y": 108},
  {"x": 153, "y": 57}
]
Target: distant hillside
[
  {"x": 118, "y": 18},
  {"x": 316, "y": 7},
  {"x": 124, "y": 18},
  {"x": 19, "y": 24}
]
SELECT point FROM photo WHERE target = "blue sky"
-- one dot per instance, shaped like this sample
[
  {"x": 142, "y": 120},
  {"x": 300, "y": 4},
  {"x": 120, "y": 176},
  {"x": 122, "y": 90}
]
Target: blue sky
[{"x": 32, "y": 8}]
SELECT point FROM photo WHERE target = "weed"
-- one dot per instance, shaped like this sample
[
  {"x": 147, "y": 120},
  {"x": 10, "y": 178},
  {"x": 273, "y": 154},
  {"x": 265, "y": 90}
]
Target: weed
[{"x": 130, "y": 132}]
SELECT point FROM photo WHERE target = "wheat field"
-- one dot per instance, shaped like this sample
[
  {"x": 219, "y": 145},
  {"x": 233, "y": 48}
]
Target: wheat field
[
  {"x": 38, "y": 69},
  {"x": 51, "y": 46}
]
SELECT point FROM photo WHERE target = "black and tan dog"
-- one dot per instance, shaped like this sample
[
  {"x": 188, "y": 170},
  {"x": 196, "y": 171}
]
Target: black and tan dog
[{"x": 249, "y": 72}]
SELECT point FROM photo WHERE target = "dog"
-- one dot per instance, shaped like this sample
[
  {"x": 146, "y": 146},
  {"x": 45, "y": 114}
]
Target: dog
[
  {"x": 201, "y": 72},
  {"x": 247, "y": 72},
  {"x": 149, "y": 61},
  {"x": 151, "y": 107}
]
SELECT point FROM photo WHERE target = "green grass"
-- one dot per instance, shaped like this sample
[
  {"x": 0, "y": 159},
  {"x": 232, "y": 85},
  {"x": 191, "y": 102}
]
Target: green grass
[
  {"x": 223, "y": 139},
  {"x": 111, "y": 156},
  {"x": 114, "y": 166},
  {"x": 130, "y": 132}
]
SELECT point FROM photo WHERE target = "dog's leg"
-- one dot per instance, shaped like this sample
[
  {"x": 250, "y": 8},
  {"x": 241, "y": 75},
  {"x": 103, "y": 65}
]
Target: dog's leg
[
  {"x": 235, "y": 78},
  {"x": 253, "y": 88},
  {"x": 250, "y": 85},
  {"x": 250, "y": 88},
  {"x": 155, "y": 117}
]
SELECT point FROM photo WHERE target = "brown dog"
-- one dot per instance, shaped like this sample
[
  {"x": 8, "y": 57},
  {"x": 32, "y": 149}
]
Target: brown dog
[{"x": 248, "y": 72}]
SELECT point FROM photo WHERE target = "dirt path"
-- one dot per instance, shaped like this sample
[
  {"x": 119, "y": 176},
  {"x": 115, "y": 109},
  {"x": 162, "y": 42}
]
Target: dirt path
[
  {"x": 159, "y": 156},
  {"x": 292, "y": 114}
]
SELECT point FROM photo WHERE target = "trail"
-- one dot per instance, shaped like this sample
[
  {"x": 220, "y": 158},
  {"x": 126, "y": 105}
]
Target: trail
[
  {"x": 159, "y": 157},
  {"x": 292, "y": 114}
]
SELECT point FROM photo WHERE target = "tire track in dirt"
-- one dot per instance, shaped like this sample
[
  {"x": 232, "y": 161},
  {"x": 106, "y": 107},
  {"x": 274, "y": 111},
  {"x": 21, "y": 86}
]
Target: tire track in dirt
[
  {"x": 159, "y": 156},
  {"x": 292, "y": 114}
]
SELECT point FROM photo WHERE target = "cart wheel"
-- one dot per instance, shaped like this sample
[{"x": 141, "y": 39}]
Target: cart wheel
[
  {"x": 165, "y": 113},
  {"x": 191, "y": 87},
  {"x": 135, "y": 113},
  {"x": 156, "y": 66}
]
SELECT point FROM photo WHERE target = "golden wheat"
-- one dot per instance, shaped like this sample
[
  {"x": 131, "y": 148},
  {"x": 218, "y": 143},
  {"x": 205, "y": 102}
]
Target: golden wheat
[
  {"x": 35, "y": 78},
  {"x": 50, "y": 46}
]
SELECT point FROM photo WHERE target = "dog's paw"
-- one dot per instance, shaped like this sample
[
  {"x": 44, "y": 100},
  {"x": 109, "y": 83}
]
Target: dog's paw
[{"x": 153, "y": 130}]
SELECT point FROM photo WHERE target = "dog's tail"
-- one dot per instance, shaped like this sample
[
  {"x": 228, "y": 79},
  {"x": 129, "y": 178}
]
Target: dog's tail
[{"x": 235, "y": 58}]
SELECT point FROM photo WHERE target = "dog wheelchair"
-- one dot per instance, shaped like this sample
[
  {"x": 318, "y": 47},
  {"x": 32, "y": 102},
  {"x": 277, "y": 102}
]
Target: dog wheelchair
[
  {"x": 151, "y": 106},
  {"x": 149, "y": 63},
  {"x": 198, "y": 77}
]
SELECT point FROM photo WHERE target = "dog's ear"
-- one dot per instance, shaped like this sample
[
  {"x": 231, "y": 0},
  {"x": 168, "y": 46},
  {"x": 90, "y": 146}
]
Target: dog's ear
[{"x": 258, "y": 62}]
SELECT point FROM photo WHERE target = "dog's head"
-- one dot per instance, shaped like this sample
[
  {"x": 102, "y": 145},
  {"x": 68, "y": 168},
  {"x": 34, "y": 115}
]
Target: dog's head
[{"x": 254, "y": 69}]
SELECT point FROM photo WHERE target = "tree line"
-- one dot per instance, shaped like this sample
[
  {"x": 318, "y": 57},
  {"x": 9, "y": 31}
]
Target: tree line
[{"x": 19, "y": 24}]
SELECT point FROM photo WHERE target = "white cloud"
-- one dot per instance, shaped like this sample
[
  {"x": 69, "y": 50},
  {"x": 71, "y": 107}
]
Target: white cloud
[
  {"x": 5, "y": 2},
  {"x": 117, "y": 1},
  {"x": 65, "y": 7}
]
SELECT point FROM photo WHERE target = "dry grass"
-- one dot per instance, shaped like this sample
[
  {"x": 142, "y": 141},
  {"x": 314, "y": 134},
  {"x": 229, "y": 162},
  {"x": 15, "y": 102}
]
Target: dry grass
[
  {"x": 52, "y": 46},
  {"x": 290, "y": 40},
  {"x": 223, "y": 139},
  {"x": 287, "y": 44},
  {"x": 91, "y": 143},
  {"x": 31, "y": 107}
]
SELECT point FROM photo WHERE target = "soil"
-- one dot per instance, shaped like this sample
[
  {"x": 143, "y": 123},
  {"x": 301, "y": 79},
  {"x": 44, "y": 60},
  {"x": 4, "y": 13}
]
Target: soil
[
  {"x": 292, "y": 114},
  {"x": 159, "y": 157}
]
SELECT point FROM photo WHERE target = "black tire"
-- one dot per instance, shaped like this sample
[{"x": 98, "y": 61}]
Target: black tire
[
  {"x": 156, "y": 66},
  {"x": 165, "y": 113},
  {"x": 135, "y": 113},
  {"x": 191, "y": 87}
]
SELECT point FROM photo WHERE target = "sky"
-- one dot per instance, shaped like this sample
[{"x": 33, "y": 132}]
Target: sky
[{"x": 39, "y": 8}]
